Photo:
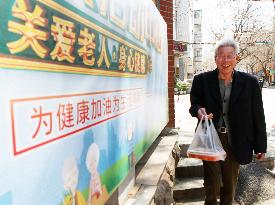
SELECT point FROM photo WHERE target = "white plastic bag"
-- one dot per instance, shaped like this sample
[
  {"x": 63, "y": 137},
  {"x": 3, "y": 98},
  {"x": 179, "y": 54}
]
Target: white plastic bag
[{"x": 206, "y": 144}]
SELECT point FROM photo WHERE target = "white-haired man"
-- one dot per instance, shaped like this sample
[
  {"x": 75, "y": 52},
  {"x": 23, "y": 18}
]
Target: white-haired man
[{"x": 233, "y": 100}]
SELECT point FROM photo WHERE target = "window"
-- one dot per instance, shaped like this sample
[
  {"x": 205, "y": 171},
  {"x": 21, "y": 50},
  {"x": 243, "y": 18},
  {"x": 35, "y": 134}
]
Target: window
[
  {"x": 177, "y": 72},
  {"x": 198, "y": 52},
  {"x": 197, "y": 27},
  {"x": 197, "y": 14}
]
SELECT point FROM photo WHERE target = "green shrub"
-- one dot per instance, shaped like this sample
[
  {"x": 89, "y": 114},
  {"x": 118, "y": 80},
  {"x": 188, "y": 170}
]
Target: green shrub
[{"x": 181, "y": 85}]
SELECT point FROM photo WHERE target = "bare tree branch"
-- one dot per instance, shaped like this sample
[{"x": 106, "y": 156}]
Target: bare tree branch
[{"x": 249, "y": 29}]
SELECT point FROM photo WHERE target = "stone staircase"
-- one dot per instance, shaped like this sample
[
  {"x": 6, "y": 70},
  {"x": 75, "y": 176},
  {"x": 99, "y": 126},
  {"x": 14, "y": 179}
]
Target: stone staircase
[{"x": 188, "y": 187}]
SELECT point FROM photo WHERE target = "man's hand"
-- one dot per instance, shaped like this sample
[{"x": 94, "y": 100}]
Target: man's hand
[
  {"x": 202, "y": 113},
  {"x": 260, "y": 156}
]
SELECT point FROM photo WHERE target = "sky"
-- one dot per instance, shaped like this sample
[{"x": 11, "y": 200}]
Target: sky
[{"x": 214, "y": 16}]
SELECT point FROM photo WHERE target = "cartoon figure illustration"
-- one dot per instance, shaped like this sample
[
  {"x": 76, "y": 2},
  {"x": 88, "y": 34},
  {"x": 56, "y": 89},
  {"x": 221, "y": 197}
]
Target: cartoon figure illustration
[
  {"x": 70, "y": 180},
  {"x": 91, "y": 163}
]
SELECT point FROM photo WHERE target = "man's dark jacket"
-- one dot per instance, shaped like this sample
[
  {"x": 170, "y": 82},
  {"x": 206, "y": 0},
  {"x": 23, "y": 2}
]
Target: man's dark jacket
[{"x": 245, "y": 113}]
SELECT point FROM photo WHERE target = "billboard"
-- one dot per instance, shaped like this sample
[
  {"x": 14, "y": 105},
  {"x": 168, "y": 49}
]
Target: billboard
[{"x": 83, "y": 94}]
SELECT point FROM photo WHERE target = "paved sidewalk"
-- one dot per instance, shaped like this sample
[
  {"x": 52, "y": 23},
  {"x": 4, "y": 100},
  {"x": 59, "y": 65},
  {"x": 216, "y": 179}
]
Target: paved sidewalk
[{"x": 268, "y": 202}]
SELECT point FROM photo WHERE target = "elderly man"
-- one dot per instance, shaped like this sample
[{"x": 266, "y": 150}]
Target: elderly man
[{"x": 233, "y": 99}]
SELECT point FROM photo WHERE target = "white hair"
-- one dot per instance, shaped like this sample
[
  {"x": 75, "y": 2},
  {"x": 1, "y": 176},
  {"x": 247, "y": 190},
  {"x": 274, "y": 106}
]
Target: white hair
[
  {"x": 70, "y": 174},
  {"x": 92, "y": 157},
  {"x": 227, "y": 42}
]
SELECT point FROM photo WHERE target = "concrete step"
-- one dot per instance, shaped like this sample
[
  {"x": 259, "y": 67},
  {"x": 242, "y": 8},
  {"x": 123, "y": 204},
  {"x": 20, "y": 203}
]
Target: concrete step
[
  {"x": 183, "y": 149},
  {"x": 153, "y": 169},
  {"x": 184, "y": 141},
  {"x": 199, "y": 202},
  {"x": 189, "y": 167},
  {"x": 267, "y": 162},
  {"x": 188, "y": 189},
  {"x": 144, "y": 195}
]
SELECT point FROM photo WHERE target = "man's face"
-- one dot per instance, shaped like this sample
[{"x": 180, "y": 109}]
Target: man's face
[{"x": 226, "y": 60}]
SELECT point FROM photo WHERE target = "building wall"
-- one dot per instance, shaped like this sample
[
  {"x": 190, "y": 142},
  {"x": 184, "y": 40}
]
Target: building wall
[
  {"x": 184, "y": 20},
  {"x": 273, "y": 54},
  {"x": 166, "y": 10},
  {"x": 197, "y": 40},
  {"x": 184, "y": 28}
]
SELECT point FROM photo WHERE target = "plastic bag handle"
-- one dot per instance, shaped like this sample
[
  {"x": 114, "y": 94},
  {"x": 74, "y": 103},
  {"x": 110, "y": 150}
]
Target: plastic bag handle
[
  {"x": 218, "y": 143},
  {"x": 212, "y": 137},
  {"x": 208, "y": 130},
  {"x": 205, "y": 118}
]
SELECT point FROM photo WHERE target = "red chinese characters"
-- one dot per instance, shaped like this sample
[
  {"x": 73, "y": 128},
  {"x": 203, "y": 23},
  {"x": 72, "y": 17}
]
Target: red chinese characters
[
  {"x": 65, "y": 116},
  {"x": 47, "y": 119},
  {"x": 42, "y": 118},
  {"x": 83, "y": 111}
]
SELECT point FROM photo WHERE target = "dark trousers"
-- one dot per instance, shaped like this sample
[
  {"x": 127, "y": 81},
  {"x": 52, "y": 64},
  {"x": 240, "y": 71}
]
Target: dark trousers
[{"x": 221, "y": 177}]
